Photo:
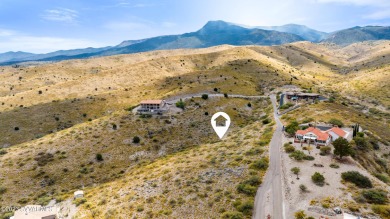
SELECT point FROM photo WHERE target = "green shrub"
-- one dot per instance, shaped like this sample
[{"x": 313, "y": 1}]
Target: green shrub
[
  {"x": 99, "y": 157},
  {"x": 140, "y": 208},
  {"x": 360, "y": 134},
  {"x": 361, "y": 143},
  {"x": 325, "y": 149},
  {"x": 225, "y": 95},
  {"x": 249, "y": 187},
  {"x": 297, "y": 155},
  {"x": 261, "y": 164},
  {"x": 136, "y": 140},
  {"x": 318, "y": 178},
  {"x": 232, "y": 215},
  {"x": 307, "y": 120},
  {"x": 335, "y": 166},
  {"x": 2, "y": 151},
  {"x": 300, "y": 215},
  {"x": 289, "y": 148},
  {"x": 2, "y": 190},
  {"x": 180, "y": 104},
  {"x": 382, "y": 177},
  {"x": 44, "y": 158},
  {"x": 292, "y": 127},
  {"x": 337, "y": 122},
  {"x": 246, "y": 208},
  {"x": 357, "y": 178},
  {"x": 249, "y": 105},
  {"x": 308, "y": 157},
  {"x": 375, "y": 196},
  {"x": 79, "y": 201},
  {"x": 286, "y": 106},
  {"x": 266, "y": 121},
  {"x": 205, "y": 96},
  {"x": 383, "y": 210}
]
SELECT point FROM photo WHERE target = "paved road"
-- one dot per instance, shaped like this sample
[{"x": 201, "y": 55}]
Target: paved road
[
  {"x": 272, "y": 183},
  {"x": 189, "y": 96}
]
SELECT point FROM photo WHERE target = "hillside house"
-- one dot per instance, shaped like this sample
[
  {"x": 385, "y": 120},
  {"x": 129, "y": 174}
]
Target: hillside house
[
  {"x": 152, "y": 106},
  {"x": 313, "y": 135},
  {"x": 320, "y": 136},
  {"x": 296, "y": 96},
  {"x": 36, "y": 212}
]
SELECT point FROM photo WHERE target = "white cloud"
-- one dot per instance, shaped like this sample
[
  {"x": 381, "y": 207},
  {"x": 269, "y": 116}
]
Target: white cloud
[
  {"x": 378, "y": 15},
  {"x": 36, "y": 44},
  {"x": 5, "y": 32},
  {"x": 61, "y": 14},
  {"x": 168, "y": 24}
]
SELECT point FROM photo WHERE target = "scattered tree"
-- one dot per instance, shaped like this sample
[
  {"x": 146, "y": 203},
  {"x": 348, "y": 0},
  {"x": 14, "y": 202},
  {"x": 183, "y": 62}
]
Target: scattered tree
[
  {"x": 296, "y": 171},
  {"x": 303, "y": 188},
  {"x": 292, "y": 127},
  {"x": 225, "y": 95},
  {"x": 205, "y": 96},
  {"x": 342, "y": 147},
  {"x": 249, "y": 105}
]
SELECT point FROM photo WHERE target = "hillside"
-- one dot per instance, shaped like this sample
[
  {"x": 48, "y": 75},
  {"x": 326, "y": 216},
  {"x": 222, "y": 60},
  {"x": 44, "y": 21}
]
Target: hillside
[
  {"x": 57, "y": 117},
  {"x": 358, "y": 34},
  {"x": 305, "y": 32}
]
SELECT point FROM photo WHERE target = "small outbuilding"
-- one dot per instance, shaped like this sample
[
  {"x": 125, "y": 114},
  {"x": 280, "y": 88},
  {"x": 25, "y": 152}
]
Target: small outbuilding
[{"x": 78, "y": 194}]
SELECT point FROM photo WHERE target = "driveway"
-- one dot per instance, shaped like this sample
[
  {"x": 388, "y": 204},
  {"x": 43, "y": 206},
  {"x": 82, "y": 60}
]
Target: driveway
[{"x": 269, "y": 196}]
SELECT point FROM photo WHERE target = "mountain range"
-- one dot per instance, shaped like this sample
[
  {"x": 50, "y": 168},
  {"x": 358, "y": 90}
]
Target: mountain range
[{"x": 212, "y": 34}]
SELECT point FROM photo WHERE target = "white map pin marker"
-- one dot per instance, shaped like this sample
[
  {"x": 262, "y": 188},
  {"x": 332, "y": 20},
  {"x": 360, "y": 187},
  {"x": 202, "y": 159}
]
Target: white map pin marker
[{"x": 220, "y": 122}]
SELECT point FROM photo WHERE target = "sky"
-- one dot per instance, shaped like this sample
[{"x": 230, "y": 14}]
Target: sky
[{"x": 42, "y": 26}]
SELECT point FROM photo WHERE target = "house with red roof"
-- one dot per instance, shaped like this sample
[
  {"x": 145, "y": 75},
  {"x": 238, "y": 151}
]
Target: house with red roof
[
  {"x": 313, "y": 135},
  {"x": 152, "y": 106},
  {"x": 336, "y": 132},
  {"x": 319, "y": 137}
]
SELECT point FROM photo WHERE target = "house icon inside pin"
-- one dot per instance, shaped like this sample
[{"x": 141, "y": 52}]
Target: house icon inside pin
[{"x": 220, "y": 121}]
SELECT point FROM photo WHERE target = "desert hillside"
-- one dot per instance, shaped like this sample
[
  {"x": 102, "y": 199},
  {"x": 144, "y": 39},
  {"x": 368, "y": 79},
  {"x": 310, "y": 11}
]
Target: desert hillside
[{"x": 56, "y": 118}]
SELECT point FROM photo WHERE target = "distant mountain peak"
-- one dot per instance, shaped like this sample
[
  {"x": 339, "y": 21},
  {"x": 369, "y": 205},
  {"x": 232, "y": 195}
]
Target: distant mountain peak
[
  {"x": 213, "y": 33},
  {"x": 218, "y": 24}
]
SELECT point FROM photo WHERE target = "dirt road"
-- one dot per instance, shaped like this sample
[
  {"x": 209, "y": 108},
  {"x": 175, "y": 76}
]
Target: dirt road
[{"x": 269, "y": 196}]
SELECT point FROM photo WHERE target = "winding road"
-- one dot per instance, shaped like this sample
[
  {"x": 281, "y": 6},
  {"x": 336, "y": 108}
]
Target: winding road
[
  {"x": 271, "y": 188},
  {"x": 173, "y": 100}
]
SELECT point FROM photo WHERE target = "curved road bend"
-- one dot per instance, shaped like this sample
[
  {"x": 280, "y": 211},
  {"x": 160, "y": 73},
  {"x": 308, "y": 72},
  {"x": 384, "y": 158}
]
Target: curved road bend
[{"x": 272, "y": 183}]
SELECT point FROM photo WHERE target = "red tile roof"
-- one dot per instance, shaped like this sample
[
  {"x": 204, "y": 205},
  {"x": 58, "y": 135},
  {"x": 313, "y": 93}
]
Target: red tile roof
[
  {"x": 322, "y": 136},
  {"x": 338, "y": 131}
]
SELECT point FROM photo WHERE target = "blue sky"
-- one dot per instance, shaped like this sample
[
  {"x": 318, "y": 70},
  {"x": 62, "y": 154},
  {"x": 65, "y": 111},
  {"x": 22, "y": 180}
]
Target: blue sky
[{"x": 42, "y": 26}]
